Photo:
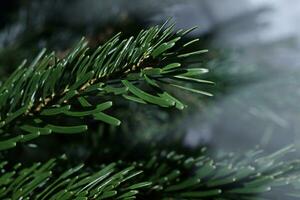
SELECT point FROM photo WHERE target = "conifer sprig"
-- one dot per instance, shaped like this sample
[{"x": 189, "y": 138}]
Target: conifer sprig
[
  {"x": 253, "y": 175},
  {"x": 40, "y": 181},
  {"x": 36, "y": 96},
  {"x": 164, "y": 175}
]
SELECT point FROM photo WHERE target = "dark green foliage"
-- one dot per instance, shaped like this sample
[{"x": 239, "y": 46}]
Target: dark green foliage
[
  {"x": 76, "y": 86},
  {"x": 40, "y": 182},
  {"x": 165, "y": 175}
]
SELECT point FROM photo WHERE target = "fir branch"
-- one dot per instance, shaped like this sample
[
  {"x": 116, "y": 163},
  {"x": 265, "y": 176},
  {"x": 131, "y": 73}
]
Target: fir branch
[
  {"x": 40, "y": 181},
  {"x": 34, "y": 97},
  {"x": 231, "y": 176},
  {"x": 164, "y": 175}
]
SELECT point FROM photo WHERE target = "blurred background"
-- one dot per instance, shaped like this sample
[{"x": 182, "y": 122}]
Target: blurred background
[{"x": 254, "y": 59}]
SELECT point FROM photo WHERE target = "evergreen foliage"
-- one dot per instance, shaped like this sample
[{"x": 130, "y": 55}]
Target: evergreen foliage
[
  {"x": 51, "y": 87},
  {"x": 54, "y": 95}
]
